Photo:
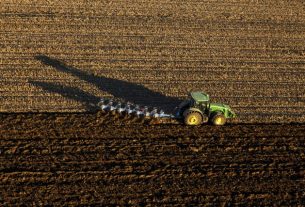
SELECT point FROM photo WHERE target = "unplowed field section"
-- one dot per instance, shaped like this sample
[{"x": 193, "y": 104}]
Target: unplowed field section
[
  {"x": 62, "y": 55},
  {"x": 79, "y": 159}
]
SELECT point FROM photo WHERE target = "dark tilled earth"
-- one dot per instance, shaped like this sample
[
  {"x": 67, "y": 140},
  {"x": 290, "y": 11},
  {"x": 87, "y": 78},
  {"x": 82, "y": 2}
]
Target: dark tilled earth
[{"x": 72, "y": 159}]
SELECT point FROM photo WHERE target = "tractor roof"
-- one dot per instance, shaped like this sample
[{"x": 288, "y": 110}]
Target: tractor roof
[{"x": 200, "y": 96}]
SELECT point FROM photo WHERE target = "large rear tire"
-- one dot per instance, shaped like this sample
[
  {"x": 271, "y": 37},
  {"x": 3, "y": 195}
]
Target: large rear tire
[
  {"x": 193, "y": 118},
  {"x": 218, "y": 119}
]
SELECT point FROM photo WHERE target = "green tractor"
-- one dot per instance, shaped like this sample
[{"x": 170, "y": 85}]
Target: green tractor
[{"x": 198, "y": 109}]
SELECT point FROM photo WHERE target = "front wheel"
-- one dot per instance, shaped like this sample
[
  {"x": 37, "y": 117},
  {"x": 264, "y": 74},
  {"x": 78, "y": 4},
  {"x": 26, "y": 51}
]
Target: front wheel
[
  {"x": 193, "y": 118},
  {"x": 218, "y": 119}
]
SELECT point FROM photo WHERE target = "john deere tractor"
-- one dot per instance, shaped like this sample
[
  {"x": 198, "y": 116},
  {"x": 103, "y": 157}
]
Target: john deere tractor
[{"x": 198, "y": 109}]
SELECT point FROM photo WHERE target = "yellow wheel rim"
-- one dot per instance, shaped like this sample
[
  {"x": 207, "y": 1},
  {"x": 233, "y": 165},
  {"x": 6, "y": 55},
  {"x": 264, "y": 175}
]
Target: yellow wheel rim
[
  {"x": 219, "y": 121},
  {"x": 192, "y": 120}
]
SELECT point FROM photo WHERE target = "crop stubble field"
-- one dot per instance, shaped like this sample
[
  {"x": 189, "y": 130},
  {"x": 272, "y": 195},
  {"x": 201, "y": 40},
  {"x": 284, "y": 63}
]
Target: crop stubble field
[{"x": 249, "y": 54}]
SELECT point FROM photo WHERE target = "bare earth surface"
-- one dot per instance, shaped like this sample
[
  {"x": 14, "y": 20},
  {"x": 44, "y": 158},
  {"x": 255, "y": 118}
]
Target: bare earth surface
[
  {"x": 72, "y": 159},
  {"x": 63, "y": 55}
]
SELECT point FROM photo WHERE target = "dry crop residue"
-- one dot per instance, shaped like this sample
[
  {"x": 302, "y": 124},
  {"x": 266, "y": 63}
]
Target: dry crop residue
[
  {"x": 249, "y": 54},
  {"x": 72, "y": 159}
]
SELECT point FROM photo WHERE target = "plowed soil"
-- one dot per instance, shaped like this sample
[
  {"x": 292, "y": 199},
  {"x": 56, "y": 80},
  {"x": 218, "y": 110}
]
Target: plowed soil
[
  {"x": 72, "y": 159},
  {"x": 62, "y": 56}
]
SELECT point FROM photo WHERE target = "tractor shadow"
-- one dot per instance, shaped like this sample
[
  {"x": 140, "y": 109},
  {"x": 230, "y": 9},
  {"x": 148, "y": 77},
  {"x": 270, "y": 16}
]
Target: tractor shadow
[{"x": 120, "y": 89}]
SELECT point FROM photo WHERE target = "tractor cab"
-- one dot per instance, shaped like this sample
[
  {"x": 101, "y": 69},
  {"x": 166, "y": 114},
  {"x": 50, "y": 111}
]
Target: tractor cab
[{"x": 200, "y": 101}]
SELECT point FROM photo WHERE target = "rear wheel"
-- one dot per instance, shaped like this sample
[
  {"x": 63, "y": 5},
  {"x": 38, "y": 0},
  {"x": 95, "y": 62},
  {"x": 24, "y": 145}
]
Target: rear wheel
[
  {"x": 193, "y": 118},
  {"x": 218, "y": 119}
]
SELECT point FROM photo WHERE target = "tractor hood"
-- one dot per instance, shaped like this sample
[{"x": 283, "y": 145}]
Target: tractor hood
[
  {"x": 219, "y": 105},
  {"x": 224, "y": 108}
]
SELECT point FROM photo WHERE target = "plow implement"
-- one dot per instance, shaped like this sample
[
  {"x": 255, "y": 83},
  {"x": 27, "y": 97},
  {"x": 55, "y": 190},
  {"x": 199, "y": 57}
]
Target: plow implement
[{"x": 136, "y": 113}]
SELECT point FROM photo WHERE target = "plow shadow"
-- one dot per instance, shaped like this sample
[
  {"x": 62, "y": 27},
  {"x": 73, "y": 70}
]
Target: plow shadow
[{"x": 120, "y": 89}]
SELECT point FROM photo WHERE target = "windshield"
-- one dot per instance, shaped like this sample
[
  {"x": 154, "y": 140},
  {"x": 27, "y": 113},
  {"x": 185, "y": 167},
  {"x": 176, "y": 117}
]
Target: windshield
[{"x": 193, "y": 103}]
